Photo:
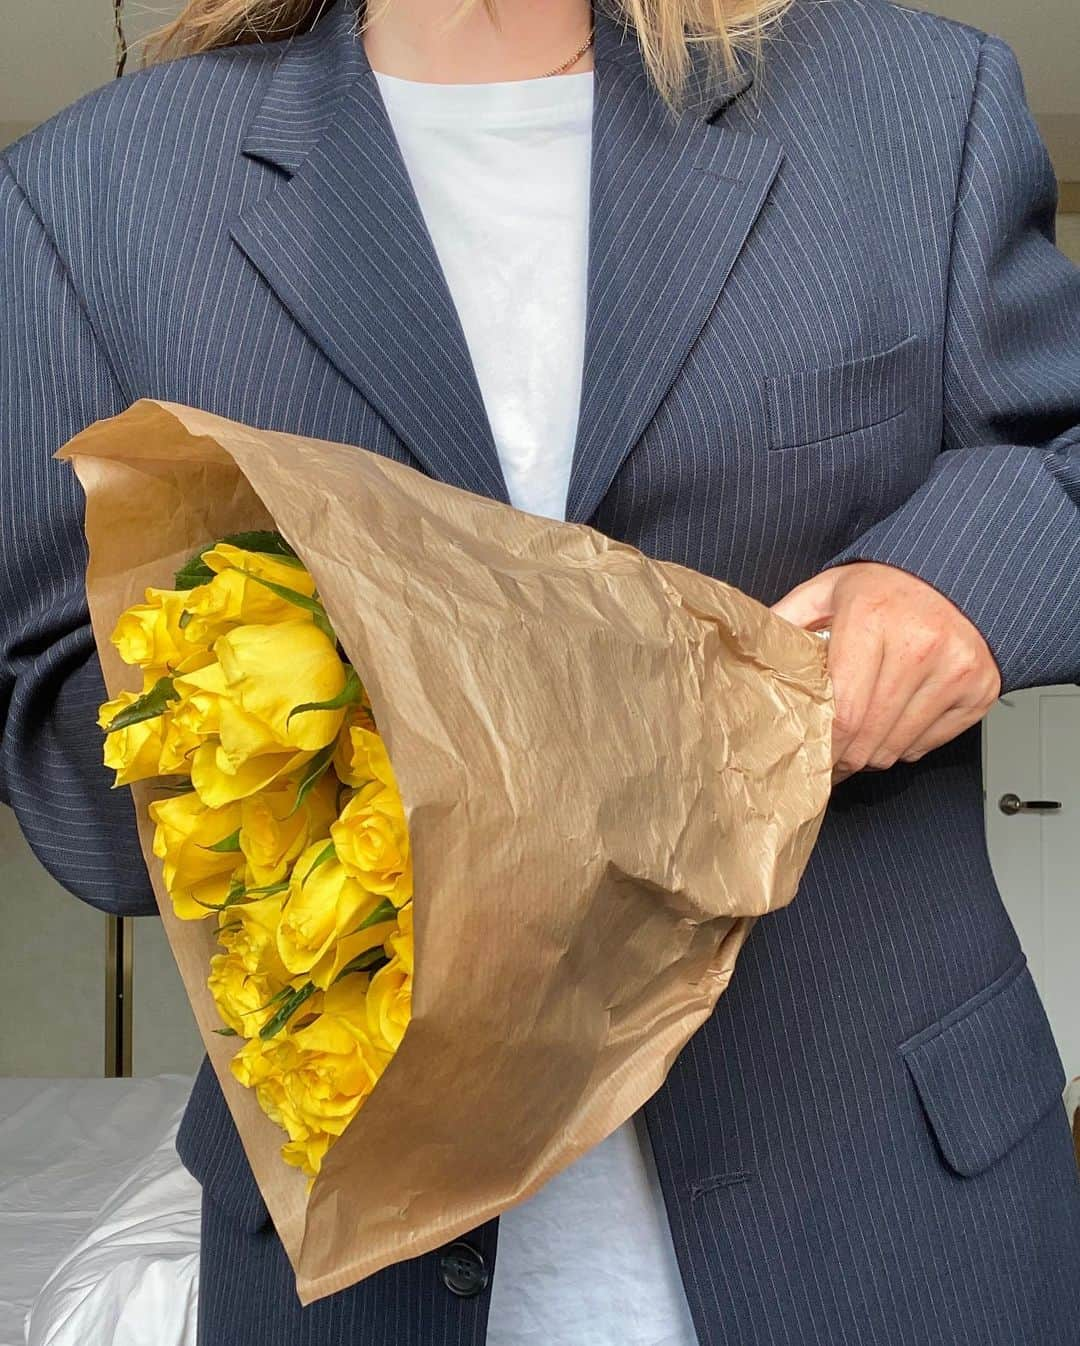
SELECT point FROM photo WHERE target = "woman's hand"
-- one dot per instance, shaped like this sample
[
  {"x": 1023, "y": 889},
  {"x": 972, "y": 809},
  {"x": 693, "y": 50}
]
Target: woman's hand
[{"x": 909, "y": 670}]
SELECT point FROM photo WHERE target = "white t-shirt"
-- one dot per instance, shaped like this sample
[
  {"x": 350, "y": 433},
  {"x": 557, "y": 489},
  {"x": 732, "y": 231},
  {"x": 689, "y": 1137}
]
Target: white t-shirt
[{"x": 501, "y": 172}]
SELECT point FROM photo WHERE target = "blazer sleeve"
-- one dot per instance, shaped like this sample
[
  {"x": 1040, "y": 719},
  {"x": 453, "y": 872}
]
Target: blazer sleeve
[
  {"x": 54, "y": 381},
  {"x": 996, "y": 526}
]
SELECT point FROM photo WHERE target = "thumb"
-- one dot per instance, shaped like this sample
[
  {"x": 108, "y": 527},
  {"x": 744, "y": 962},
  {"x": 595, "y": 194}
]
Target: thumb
[{"x": 810, "y": 604}]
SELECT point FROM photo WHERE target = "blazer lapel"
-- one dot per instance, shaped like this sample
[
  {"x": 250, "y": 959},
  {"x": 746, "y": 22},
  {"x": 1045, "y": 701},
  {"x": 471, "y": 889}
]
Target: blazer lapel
[
  {"x": 343, "y": 243},
  {"x": 673, "y": 201}
]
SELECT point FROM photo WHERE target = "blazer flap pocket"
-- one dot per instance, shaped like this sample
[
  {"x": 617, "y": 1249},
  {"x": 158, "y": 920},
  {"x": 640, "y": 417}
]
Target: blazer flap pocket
[
  {"x": 988, "y": 1071},
  {"x": 210, "y": 1148},
  {"x": 805, "y": 406}
]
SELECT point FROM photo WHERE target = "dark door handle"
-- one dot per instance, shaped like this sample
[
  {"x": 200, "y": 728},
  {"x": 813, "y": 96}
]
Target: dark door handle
[{"x": 1011, "y": 804}]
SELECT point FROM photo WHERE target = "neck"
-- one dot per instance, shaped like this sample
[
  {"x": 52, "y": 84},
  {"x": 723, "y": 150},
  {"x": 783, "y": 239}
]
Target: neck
[{"x": 428, "y": 40}]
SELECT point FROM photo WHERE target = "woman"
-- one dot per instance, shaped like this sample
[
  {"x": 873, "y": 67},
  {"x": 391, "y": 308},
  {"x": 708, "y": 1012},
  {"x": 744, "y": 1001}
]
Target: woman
[{"x": 810, "y": 335}]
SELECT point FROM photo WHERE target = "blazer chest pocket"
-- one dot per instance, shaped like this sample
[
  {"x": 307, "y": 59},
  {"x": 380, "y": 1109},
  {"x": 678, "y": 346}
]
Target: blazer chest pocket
[
  {"x": 988, "y": 1072},
  {"x": 810, "y": 406}
]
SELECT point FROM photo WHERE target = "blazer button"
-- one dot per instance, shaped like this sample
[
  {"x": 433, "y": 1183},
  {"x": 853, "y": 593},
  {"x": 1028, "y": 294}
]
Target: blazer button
[{"x": 464, "y": 1272}]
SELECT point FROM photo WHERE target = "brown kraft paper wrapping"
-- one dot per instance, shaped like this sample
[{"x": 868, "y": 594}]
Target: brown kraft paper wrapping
[{"x": 611, "y": 767}]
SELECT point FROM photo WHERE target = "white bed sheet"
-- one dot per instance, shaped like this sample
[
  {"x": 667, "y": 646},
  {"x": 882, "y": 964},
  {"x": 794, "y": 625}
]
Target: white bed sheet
[{"x": 94, "y": 1201}]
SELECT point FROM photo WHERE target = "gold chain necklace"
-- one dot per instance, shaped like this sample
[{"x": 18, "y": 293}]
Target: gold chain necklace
[{"x": 573, "y": 59}]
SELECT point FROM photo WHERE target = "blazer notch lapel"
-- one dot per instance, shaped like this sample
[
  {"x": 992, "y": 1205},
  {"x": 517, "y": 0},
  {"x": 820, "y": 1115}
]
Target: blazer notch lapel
[
  {"x": 342, "y": 242},
  {"x": 673, "y": 202}
]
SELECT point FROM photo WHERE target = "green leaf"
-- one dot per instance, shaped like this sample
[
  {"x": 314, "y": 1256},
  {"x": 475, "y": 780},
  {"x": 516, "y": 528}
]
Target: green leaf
[
  {"x": 185, "y": 619},
  {"x": 266, "y": 541},
  {"x": 274, "y": 1025},
  {"x": 349, "y": 695},
  {"x": 283, "y": 994},
  {"x": 148, "y": 707},
  {"x": 327, "y": 853},
  {"x": 229, "y": 843},
  {"x": 226, "y": 1032},
  {"x": 194, "y": 572},
  {"x": 236, "y": 895},
  {"x": 294, "y": 596},
  {"x": 313, "y": 773},
  {"x": 371, "y": 960},
  {"x": 269, "y": 889},
  {"x": 385, "y": 911}
]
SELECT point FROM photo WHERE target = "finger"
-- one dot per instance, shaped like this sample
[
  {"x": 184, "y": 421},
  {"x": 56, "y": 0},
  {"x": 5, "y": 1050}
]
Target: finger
[
  {"x": 856, "y": 650},
  {"x": 954, "y": 692},
  {"x": 903, "y": 694},
  {"x": 930, "y": 702},
  {"x": 942, "y": 731},
  {"x": 809, "y": 604}
]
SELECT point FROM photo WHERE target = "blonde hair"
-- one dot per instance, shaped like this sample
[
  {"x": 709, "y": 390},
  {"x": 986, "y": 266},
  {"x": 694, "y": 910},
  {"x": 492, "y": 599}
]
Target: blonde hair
[{"x": 666, "y": 30}]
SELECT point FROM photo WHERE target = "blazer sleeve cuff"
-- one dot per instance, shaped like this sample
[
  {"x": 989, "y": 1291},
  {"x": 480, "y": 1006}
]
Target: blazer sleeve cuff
[{"x": 995, "y": 532}]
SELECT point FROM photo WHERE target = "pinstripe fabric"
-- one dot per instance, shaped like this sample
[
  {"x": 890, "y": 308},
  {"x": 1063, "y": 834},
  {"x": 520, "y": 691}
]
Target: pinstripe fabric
[{"x": 826, "y": 321}]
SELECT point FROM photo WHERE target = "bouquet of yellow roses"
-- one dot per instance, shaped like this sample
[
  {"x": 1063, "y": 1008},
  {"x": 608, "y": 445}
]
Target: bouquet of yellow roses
[
  {"x": 605, "y": 769},
  {"x": 285, "y": 825}
]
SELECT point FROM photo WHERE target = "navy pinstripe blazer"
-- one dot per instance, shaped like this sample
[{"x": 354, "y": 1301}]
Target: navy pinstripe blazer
[{"x": 826, "y": 321}]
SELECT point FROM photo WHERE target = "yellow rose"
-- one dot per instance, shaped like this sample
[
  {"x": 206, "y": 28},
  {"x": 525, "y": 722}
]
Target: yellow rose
[
  {"x": 272, "y": 835},
  {"x": 389, "y": 1005},
  {"x": 149, "y": 633},
  {"x": 342, "y": 952},
  {"x": 389, "y": 995},
  {"x": 262, "y": 1064},
  {"x": 133, "y": 753},
  {"x": 361, "y": 758},
  {"x": 372, "y": 842},
  {"x": 245, "y": 698},
  {"x": 233, "y": 598},
  {"x": 270, "y": 670},
  {"x": 324, "y": 904},
  {"x": 248, "y": 931},
  {"x": 197, "y": 876},
  {"x": 399, "y": 944},
  {"x": 141, "y": 750},
  {"x": 207, "y": 709},
  {"x": 308, "y": 1155},
  {"x": 178, "y": 747},
  {"x": 242, "y": 997},
  {"x": 283, "y": 570},
  {"x": 221, "y": 704},
  {"x": 311, "y": 1080},
  {"x": 218, "y": 783}
]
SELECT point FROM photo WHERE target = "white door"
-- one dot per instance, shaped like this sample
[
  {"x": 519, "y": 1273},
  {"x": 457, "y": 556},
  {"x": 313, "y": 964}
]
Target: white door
[{"x": 1032, "y": 763}]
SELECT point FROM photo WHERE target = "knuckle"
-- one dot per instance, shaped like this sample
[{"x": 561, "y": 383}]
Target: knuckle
[
  {"x": 924, "y": 642},
  {"x": 963, "y": 665},
  {"x": 991, "y": 688}
]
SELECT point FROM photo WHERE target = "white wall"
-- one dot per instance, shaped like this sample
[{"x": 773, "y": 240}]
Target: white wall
[
  {"x": 56, "y": 50},
  {"x": 1045, "y": 34},
  {"x": 52, "y": 971},
  {"x": 1068, "y": 239}
]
